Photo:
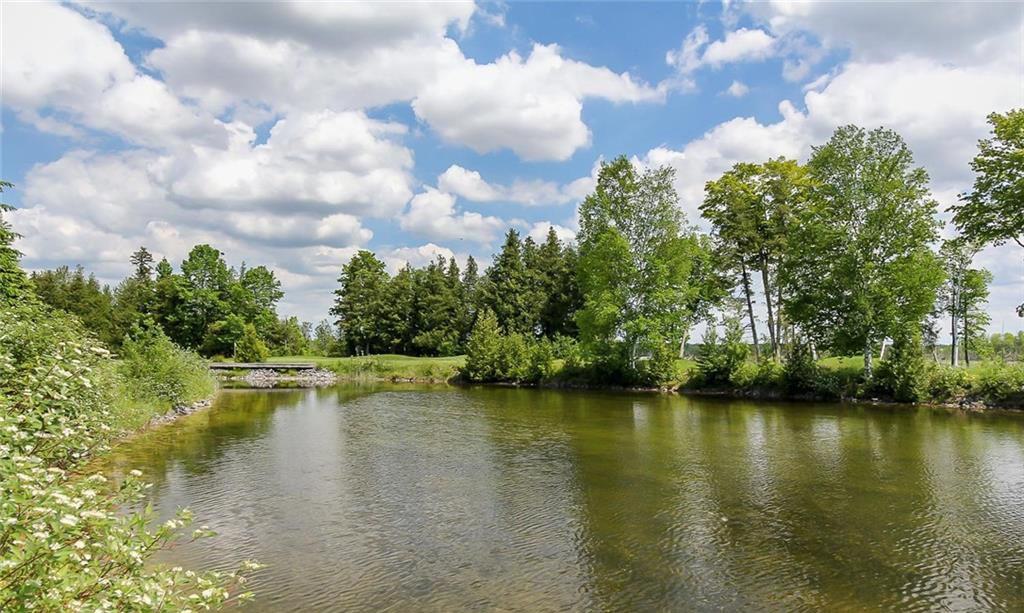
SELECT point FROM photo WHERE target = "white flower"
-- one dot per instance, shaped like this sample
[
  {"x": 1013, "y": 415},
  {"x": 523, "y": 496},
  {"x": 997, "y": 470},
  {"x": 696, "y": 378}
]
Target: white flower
[{"x": 69, "y": 520}]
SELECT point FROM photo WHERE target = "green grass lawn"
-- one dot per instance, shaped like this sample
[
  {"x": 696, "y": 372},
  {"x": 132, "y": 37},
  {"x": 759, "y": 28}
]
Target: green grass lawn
[{"x": 385, "y": 366}]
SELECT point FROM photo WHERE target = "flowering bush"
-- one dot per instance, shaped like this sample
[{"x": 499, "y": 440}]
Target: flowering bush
[{"x": 66, "y": 540}]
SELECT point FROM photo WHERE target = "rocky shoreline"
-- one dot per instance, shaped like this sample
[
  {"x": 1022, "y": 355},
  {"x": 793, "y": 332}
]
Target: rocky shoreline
[
  {"x": 269, "y": 378},
  {"x": 179, "y": 411}
]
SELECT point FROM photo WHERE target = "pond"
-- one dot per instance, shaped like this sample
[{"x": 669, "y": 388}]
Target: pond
[{"x": 363, "y": 498}]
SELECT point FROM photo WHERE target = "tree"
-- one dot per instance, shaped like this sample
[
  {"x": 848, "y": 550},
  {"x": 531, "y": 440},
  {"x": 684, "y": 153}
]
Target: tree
[
  {"x": 553, "y": 269},
  {"x": 993, "y": 211},
  {"x": 750, "y": 208},
  {"x": 962, "y": 295},
  {"x": 79, "y": 294},
  {"x": 142, "y": 260},
  {"x": 205, "y": 294},
  {"x": 359, "y": 303},
  {"x": 437, "y": 318},
  {"x": 14, "y": 284},
  {"x": 506, "y": 291},
  {"x": 483, "y": 350},
  {"x": 255, "y": 297},
  {"x": 635, "y": 263},
  {"x": 250, "y": 347},
  {"x": 858, "y": 267}
]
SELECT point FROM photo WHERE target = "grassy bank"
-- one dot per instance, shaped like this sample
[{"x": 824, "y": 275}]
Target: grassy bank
[
  {"x": 386, "y": 366},
  {"x": 832, "y": 378}
]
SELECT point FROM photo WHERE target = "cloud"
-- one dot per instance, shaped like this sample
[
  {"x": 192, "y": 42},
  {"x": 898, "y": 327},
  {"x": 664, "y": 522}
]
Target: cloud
[
  {"x": 432, "y": 214},
  {"x": 63, "y": 72},
  {"x": 737, "y": 89},
  {"x": 945, "y": 32},
  {"x": 539, "y": 232},
  {"x": 742, "y": 45},
  {"x": 470, "y": 185},
  {"x": 311, "y": 162},
  {"x": 397, "y": 258},
  {"x": 532, "y": 106},
  {"x": 277, "y": 57}
]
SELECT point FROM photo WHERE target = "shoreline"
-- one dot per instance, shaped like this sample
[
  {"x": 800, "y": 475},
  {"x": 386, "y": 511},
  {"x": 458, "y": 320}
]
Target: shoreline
[{"x": 322, "y": 377}]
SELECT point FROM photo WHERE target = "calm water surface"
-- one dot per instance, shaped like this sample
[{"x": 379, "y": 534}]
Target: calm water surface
[{"x": 443, "y": 499}]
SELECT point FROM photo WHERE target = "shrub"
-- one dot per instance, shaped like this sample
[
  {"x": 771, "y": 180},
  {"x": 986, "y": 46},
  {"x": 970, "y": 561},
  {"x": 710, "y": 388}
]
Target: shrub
[
  {"x": 250, "y": 348},
  {"x": 66, "y": 542},
  {"x": 156, "y": 369},
  {"x": 483, "y": 349},
  {"x": 718, "y": 362},
  {"x": 945, "y": 383},
  {"x": 903, "y": 375},
  {"x": 999, "y": 382},
  {"x": 541, "y": 361},
  {"x": 800, "y": 373}
]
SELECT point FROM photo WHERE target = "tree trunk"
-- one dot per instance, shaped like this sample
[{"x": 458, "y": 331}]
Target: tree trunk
[
  {"x": 778, "y": 318},
  {"x": 768, "y": 304},
  {"x": 868, "y": 369},
  {"x": 682, "y": 345},
  {"x": 750, "y": 308},
  {"x": 955, "y": 353},
  {"x": 965, "y": 343},
  {"x": 881, "y": 354}
]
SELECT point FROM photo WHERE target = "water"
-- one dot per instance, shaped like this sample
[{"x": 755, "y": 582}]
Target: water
[{"x": 435, "y": 498}]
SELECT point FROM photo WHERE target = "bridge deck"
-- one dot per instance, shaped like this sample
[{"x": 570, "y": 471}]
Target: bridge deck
[{"x": 262, "y": 365}]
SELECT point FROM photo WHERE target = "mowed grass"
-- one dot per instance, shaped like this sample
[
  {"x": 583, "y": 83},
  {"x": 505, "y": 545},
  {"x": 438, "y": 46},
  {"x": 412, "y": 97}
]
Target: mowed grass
[{"x": 385, "y": 366}]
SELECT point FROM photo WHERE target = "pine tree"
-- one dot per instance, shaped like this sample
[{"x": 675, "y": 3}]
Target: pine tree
[{"x": 359, "y": 304}]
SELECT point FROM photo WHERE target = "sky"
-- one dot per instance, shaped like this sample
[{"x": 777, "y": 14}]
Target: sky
[{"x": 295, "y": 134}]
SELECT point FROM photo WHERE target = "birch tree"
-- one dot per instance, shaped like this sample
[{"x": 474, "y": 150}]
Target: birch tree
[{"x": 858, "y": 265}]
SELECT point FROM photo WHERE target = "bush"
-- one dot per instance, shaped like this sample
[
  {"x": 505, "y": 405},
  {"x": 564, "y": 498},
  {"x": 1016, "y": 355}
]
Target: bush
[
  {"x": 541, "y": 361},
  {"x": 800, "y": 373},
  {"x": 250, "y": 348},
  {"x": 945, "y": 383},
  {"x": 998, "y": 382},
  {"x": 719, "y": 362},
  {"x": 156, "y": 369},
  {"x": 66, "y": 542},
  {"x": 903, "y": 375},
  {"x": 483, "y": 349}
]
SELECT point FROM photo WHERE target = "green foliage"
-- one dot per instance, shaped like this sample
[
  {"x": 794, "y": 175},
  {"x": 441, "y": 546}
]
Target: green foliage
[
  {"x": 66, "y": 542},
  {"x": 507, "y": 291},
  {"x": 81, "y": 295},
  {"x": 360, "y": 303},
  {"x": 999, "y": 382},
  {"x": 719, "y": 361},
  {"x": 903, "y": 374},
  {"x": 14, "y": 285},
  {"x": 800, "y": 373},
  {"x": 492, "y": 356},
  {"x": 947, "y": 384},
  {"x": 161, "y": 371},
  {"x": 483, "y": 350},
  {"x": 635, "y": 271},
  {"x": 250, "y": 348},
  {"x": 751, "y": 208},
  {"x": 991, "y": 212},
  {"x": 858, "y": 266}
]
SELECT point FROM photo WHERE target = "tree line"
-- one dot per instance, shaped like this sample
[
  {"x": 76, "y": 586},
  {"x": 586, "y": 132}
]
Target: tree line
[
  {"x": 843, "y": 252},
  {"x": 205, "y": 306}
]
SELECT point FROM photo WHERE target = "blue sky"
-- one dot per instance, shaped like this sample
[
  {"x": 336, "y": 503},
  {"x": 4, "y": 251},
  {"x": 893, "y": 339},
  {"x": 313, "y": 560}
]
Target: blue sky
[{"x": 295, "y": 134}]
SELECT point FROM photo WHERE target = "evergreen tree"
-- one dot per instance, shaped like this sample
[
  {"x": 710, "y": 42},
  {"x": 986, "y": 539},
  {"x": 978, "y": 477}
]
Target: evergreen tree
[
  {"x": 506, "y": 291},
  {"x": 14, "y": 284},
  {"x": 359, "y": 303}
]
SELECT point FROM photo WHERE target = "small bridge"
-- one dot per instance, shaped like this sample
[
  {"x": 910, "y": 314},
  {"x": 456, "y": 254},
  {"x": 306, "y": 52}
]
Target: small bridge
[{"x": 262, "y": 365}]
